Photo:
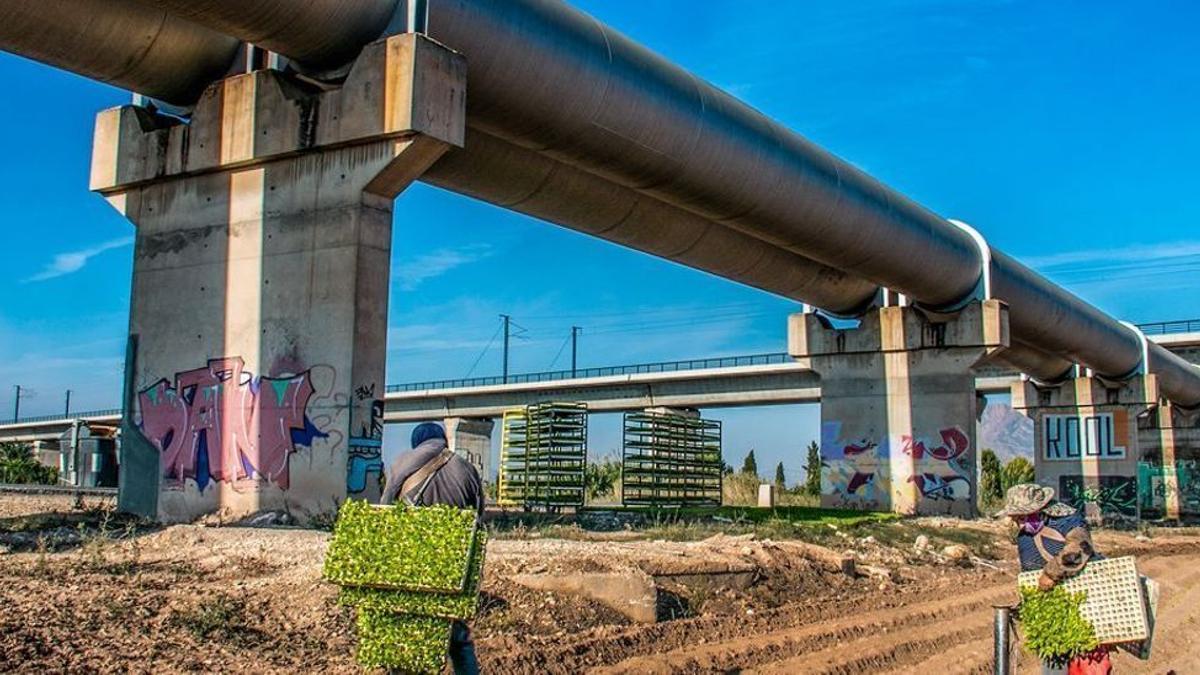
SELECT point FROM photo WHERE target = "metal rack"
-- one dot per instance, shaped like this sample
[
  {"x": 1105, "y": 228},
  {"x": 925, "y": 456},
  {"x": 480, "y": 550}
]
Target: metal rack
[
  {"x": 543, "y": 456},
  {"x": 671, "y": 460}
]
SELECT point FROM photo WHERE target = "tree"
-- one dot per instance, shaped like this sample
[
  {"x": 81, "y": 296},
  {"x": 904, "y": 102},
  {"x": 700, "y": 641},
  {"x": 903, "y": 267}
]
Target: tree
[
  {"x": 780, "y": 479},
  {"x": 991, "y": 484},
  {"x": 1016, "y": 472},
  {"x": 812, "y": 469},
  {"x": 750, "y": 465}
]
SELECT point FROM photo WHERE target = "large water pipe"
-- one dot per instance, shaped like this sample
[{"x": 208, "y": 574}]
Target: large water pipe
[
  {"x": 120, "y": 42},
  {"x": 836, "y": 188},
  {"x": 549, "y": 78}
]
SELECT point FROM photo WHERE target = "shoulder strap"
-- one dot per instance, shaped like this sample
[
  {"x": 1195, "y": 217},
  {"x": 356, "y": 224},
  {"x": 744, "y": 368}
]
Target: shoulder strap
[{"x": 414, "y": 486}]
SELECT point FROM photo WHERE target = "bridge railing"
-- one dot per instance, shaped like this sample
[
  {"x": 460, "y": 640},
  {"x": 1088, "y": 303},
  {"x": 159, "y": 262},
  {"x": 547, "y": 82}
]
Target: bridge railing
[
  {"x": 1170, "y": 327},
  {"x": 1156, "y": 328},
  {"x": 87, "y": 414},
  {"x": 607, "y": 371}
]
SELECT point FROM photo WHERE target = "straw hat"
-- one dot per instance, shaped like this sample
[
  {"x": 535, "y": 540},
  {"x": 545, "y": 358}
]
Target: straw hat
[{"x": 1027, "y": 499}]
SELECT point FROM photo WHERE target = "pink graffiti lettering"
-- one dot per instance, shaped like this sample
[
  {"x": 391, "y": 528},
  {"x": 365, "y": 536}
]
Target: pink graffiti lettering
[
  {"x": 852, "y": 449},
  {"x": 954, "y": 444},
  {"x": 219, "y": 422}
]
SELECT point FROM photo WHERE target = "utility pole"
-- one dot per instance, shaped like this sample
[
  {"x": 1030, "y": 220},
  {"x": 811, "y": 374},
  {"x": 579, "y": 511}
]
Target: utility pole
[
  {"x": 507, "y": 325},
  {"x": 17, "y": 404},
  {"x": 575, "y": 331},
  {"x": 67, "y": 411}
]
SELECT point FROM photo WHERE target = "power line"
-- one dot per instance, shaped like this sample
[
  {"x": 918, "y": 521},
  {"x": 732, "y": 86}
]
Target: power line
[
  {"x": 648, "y": 312},
  {"x": 561, "y": 349},
  {"x": 485, "y": 350}
]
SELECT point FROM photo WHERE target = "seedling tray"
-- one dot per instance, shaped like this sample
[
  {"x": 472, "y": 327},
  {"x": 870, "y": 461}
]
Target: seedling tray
[{"x": 1115, "y": 604}]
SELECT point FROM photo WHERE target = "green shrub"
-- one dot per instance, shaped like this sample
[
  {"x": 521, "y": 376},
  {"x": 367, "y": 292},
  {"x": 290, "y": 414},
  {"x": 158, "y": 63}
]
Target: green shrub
[
  {"x": 1054, "y": 629},
  {"x": 410, "y": 644},
  {"x": 1017, "y": 471},
  {"x": 601, "y": 479},
  {"x": 404, "y": 548},
  {"x": 445, "y": 605},
  {"x": 19, "y": 466}
]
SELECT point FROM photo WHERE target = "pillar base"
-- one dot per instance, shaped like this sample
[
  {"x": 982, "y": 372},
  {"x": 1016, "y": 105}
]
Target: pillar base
[{"x": 471, "y": 439}]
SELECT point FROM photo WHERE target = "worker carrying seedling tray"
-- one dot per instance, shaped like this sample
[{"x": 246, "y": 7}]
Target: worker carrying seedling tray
[
  {"x": 1069, "y": 631},
  {"x": 431, "y": 474},
  {"x": 413, "y": 570}
]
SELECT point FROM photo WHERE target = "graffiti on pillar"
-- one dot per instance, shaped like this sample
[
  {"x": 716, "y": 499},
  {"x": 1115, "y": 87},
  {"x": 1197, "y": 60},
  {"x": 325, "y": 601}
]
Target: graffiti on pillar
[
  {"x": 365, "y": 461},
  {"x": 221, "y": 423},
  {"x": 1070, "y": 438},
  {"x": 1114, "y": 496},
  {"x": 851, "y": 473},
  {"x": 1155, "y": 491},
  {"x": 941, "y": 469}
]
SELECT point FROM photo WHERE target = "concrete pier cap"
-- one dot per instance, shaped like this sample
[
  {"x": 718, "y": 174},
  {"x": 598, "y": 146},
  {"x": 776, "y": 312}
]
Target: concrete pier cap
[
  {"x": 255, "y": 366},
  {"x": 898, "y": 405}
]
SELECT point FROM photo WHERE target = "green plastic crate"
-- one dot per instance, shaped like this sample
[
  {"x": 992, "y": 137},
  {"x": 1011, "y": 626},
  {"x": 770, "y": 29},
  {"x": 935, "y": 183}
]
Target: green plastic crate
[
  {"x": 400, "y": 547},
  {"x": 411, "y": 644},
  {"x": 460, "y": 606}
]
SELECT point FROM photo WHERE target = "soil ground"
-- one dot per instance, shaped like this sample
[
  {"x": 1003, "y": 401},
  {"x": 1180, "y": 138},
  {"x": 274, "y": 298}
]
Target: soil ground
[{"x": 82, "y": 590}]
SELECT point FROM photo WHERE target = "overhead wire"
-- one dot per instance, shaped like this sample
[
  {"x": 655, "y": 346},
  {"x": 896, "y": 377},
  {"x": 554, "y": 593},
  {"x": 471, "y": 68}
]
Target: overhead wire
[{"x": 485, "y": 349}]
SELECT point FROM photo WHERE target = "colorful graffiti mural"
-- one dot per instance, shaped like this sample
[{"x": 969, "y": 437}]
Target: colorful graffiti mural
[
  {"x": 941, "y": 472},
  {"x": 854, "y": 472},
  {"x": 1154, "y": 490},
  {"x": 857, "y": 473},
  {"x": 221, "y": 423},
  {"x": 1114, "y": 496},
  {"x": 365, "y": 461}
]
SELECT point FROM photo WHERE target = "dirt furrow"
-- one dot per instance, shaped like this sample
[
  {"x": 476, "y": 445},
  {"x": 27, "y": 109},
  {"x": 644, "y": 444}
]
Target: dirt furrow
[
  {"x": 971, "y": 657},
  {"x": 1176, "y": 645},
  {"x": 907, "y": 644},
  {"x": 728, "y": 654}
]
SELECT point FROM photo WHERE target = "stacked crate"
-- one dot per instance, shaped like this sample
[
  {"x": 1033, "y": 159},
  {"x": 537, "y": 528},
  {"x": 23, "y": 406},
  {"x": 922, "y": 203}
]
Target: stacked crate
[
  {"x": 671, "y": 460},
  {"x": 543, "y": 456}
]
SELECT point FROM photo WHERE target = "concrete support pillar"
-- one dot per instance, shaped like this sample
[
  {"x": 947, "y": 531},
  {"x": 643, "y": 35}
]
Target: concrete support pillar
[
  {"x": 255, "y": 371},
  {"x": 1086, "y": 440},
  {"x": 1169, "y": 474},
  {"x": 898, "y": 405},
  {"x": 471, "y": 439}
]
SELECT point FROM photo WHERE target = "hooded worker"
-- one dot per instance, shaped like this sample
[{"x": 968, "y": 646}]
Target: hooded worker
[{"x": 432, "y": 474}]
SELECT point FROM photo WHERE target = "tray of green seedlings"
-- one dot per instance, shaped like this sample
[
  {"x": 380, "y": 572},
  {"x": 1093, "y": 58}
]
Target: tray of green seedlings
[
  {"x": 410, "y": 644},
  {"x": 401, "y": 547},
  {"x": 1055, "y": 630},
  {"x": 444, "y": 605}
]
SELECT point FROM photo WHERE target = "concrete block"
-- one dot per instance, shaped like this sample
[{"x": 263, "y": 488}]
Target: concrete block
[
  {"x": 766, "y": 496},
  {"x": 631, "y": 593}
]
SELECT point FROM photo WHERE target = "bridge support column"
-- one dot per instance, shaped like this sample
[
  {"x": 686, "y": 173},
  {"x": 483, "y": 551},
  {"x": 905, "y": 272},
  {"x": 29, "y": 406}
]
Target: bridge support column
[
  {"x": 899, "y": 407},
  {"x": 472, "y": 440},
  {"x": 1169, "y": 475},
  {"x": 255, "y": 372},
  {"x": 1086, "y": 440}
]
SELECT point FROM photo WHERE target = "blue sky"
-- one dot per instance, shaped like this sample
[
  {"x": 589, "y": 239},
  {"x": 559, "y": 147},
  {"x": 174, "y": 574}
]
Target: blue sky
[{"x": 1066, "y": 132}]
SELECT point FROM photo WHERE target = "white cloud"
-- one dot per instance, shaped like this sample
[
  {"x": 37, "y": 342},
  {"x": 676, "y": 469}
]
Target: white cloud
[
  {"x": 413, "y": 273},
  {"x": 73, "y": 261},
  {"x": 1135, "y": 252}
]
